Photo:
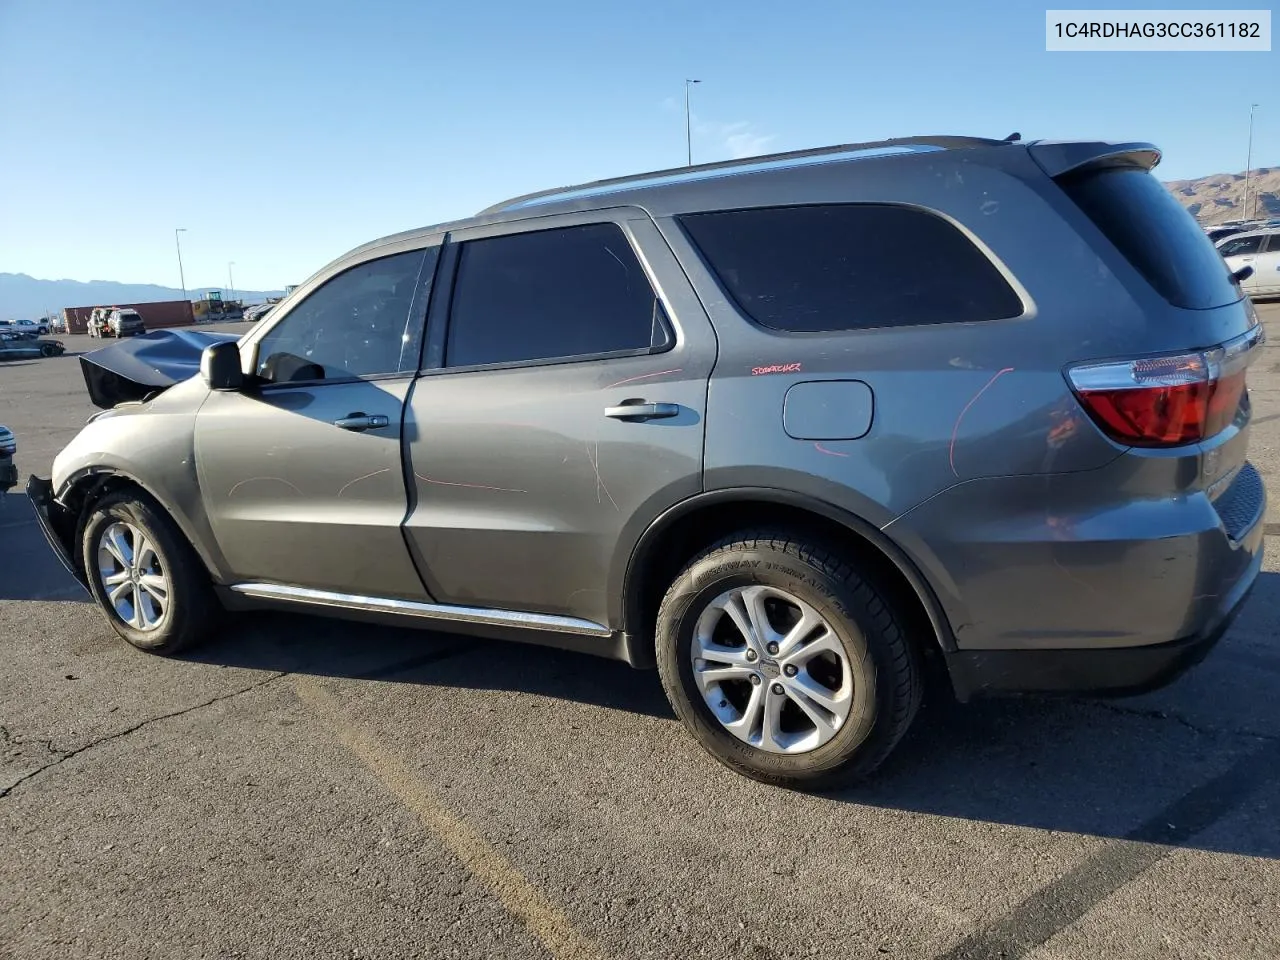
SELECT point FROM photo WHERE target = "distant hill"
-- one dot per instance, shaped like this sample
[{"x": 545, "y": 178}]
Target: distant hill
[
  {"x": 26, "y": 298},
  {"x": 1220, "y": 196}
]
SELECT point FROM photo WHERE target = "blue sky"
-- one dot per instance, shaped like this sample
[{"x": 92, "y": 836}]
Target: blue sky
[{"x": 282, "y": 134}]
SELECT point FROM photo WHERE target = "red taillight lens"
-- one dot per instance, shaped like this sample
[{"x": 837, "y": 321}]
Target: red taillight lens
[
  {"x": 1166, "y": 401},
  {"x": 1155, "y": 416}
]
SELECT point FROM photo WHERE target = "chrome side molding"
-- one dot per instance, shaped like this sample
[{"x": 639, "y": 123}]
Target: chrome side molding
[{"x": 428, "y": 611}]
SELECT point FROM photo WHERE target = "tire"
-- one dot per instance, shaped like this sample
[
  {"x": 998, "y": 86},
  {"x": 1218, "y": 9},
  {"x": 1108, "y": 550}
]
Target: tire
[
  {"x": 47, "y": 350},
  {"x": 189, "y": 612},
  {"x": 879, "y": 680}
]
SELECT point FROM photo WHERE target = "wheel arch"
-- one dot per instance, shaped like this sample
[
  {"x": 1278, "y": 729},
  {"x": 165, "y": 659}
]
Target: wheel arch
[
  {"x": 87, "y": 485},
  {"x": 693, "y": 524}
]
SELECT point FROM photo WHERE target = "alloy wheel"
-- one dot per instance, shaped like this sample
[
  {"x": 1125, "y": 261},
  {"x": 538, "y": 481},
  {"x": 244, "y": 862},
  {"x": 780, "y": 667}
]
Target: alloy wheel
[
  {"x": 771, "y": 669},
  {"x": 132, "y": 577}
]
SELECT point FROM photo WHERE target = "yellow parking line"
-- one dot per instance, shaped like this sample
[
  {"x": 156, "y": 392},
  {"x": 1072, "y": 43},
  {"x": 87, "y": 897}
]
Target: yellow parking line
[{"x": 480, "y": 858}]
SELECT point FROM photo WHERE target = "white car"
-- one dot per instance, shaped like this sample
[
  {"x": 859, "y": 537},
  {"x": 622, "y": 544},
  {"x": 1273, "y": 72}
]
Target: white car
[{"x": 1259, "y": 249}]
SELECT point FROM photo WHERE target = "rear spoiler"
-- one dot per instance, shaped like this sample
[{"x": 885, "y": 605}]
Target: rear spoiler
[
  {"x": 1060, "y": 157},
  {"x": 143, "y": 366}
]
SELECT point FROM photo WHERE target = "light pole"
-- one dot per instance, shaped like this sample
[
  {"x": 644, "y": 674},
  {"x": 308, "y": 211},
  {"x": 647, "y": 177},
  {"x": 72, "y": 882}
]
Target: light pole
[
  {"x": 688, "y": 125},
  {"x": 1249, "y": 162},
  {"x": 231, "y": 284},
  {"x": 181, "y": 276}
]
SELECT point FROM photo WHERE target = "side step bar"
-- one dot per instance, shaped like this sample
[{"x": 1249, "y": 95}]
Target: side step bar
[{"x": 446, "y": 613}]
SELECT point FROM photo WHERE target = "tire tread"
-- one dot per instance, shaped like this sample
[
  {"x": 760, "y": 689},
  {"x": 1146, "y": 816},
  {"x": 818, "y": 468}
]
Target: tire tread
[{"x": 906, "y": 677}]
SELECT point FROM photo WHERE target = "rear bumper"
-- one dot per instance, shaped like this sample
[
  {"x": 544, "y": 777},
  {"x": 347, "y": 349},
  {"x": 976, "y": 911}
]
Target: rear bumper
[
  {"x": 50, "y": 515},
  {"x": 1109, "y": 672}
]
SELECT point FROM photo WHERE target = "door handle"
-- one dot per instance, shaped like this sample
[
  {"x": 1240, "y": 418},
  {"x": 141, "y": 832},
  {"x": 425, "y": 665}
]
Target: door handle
[
  {"x": 359, "y": 422},
  {"x": 639, "y": 411}
]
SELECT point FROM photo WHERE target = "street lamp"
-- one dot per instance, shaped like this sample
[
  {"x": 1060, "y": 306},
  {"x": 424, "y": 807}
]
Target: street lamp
[
  {"x": 1248, "y": 164},
  {"x": 231, "y": 284},
  {"x": 181, "y": 276},
  {"x": 688, "y": 126}
]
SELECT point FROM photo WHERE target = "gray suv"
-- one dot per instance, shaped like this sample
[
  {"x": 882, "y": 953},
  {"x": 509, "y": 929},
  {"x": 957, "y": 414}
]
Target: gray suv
[{"x": 792, "y": 429}]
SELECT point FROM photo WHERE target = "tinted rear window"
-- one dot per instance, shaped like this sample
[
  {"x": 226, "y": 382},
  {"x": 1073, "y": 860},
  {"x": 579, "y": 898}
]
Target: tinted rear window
[
  {"x": 552, "y": 295},
  {"x": 849, "y": 267},
  {"x": 1155, "y": 234}
]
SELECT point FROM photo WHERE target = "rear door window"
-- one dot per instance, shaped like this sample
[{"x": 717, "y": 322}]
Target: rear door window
[
  {"x": 558, "y": 294},
  {"x": 1155, "y": 234},
  {"x": 805, "y": 269}
]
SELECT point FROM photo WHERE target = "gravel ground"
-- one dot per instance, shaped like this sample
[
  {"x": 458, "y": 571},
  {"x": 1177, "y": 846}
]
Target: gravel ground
[{"x": 310, "y": 788}]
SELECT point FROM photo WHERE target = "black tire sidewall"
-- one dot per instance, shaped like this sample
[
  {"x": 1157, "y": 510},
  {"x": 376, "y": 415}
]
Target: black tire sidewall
[
  {"x": 760, "y": 564},
  {"x": 171, "y": 634}
]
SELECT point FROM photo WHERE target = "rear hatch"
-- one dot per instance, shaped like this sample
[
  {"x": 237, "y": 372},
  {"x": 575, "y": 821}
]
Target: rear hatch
[{"x": 1184, "y": 388}]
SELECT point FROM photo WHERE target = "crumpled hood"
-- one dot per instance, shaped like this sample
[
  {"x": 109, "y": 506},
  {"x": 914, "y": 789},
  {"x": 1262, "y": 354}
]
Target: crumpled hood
[{"x": 142, "y": 366}]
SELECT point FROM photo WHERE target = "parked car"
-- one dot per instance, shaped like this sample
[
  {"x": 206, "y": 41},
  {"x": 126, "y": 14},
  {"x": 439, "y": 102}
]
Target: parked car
[
  {"x": 8, "y": 469},
  {"x": 16, "y": 346},
  {"x": 125, "y": 323},
  {"x": 18, "y": 328},
  {"x": 1259, "y": 250},
  {"x": 1217, "y": 234},
  {"x": 695, "y": 419},
  {"x": 36, "y": 328},
  {"x": 257, "y": 312}
]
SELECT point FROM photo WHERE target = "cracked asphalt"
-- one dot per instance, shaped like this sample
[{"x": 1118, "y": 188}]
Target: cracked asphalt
[{"x": 311, "y": 788}]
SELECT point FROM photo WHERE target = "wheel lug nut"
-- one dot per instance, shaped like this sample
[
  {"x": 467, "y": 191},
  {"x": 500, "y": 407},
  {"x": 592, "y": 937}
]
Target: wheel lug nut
[
  {"x": 755, "y": 679},
  {"x": 772, "y": 648},
  {"x": 777, "y": 688},
  {"x": 752, "y": 655},
  {"x": 790, "y": 670}
]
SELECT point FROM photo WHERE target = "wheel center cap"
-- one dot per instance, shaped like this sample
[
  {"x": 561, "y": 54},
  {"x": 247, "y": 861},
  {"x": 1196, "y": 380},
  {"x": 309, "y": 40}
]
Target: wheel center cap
[{"x": 770, "y": 668}]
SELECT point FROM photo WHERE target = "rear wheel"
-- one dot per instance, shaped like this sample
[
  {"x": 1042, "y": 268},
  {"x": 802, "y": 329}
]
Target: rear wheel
[
  {"x": 146, "y": 577},
  {"x": 784, "y": 663}
]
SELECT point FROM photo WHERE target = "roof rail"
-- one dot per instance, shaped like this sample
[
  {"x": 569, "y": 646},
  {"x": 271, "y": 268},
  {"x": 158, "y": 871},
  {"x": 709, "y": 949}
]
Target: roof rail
[{"x": 850, "y": 151}]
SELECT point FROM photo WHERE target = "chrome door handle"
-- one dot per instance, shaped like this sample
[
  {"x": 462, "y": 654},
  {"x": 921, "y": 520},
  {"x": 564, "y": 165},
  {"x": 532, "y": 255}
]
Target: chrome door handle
[
  {"x": 360, "y": 422},
  {"x": 643, "y": 411}
]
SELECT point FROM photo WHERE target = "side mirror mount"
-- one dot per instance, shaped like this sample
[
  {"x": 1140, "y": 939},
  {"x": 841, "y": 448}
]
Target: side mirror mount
[
  {"x": 220, "y": 366},
  {"x": 1243, "y": 274}
]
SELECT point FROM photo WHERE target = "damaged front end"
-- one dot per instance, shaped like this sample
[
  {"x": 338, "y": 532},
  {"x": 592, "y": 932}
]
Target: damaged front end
[
  {"x": 144, "y": 366},
  {"x": 57, "y": 523}
]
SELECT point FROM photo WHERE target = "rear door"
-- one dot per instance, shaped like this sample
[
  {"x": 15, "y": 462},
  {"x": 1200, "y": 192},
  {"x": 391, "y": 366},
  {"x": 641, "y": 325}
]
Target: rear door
[
  {"x": 302, "y": 476},
  {"x": 561, "y": 411}
]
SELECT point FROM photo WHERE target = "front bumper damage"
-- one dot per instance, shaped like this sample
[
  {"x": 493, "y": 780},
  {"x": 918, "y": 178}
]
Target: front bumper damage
[{"x": 56, "y": 523}]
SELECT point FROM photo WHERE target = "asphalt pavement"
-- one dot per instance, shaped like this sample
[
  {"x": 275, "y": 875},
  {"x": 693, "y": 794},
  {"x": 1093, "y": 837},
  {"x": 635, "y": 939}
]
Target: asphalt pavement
[{"x": 312, "y": 788}]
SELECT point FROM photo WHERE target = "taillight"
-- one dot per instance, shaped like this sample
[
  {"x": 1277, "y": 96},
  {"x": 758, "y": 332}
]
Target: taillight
[{"x": 1166, "y": 401}]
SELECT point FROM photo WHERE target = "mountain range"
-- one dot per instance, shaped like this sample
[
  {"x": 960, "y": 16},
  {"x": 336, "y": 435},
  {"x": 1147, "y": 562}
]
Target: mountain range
[
  {"x": 26, "y": 298},
  {"x": 1220, "y": 196}
]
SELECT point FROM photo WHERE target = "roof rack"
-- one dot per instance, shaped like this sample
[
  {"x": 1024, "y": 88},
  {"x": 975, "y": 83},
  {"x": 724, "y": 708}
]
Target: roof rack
[{"x": 847, "y": 151}]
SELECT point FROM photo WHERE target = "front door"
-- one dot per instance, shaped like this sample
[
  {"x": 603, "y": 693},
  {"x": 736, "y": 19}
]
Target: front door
[
  {"x": 302, "y": 473},
  {"x": 1240, "y": 252},
  {"x": 1266, "y": 268},
  {"x": 562, "y": 411}
]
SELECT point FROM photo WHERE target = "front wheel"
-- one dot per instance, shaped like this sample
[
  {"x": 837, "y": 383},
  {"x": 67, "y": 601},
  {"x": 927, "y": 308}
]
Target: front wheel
[
  {"x": 786, "y": 664},
  {"x": 146, "y": 577},
  {"x": 47, "y": 349}
]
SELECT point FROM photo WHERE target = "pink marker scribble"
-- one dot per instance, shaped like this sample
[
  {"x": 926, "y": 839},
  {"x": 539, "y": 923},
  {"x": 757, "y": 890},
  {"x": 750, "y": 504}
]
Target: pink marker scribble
[
  {"x": 776, "y": 368},
  {"x": 951, "y": 451},
  {"x": 831, "y": 453},
  {"x": 643, "y": 376},
  {"x": 469, "y": 486}
]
